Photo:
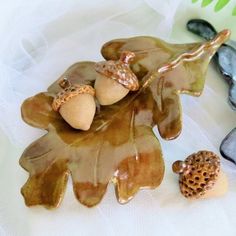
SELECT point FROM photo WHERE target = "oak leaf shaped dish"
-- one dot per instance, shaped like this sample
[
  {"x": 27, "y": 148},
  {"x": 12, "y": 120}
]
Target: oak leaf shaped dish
[{"x": 120, "y": 146}]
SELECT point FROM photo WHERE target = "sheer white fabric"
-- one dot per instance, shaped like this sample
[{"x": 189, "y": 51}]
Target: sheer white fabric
[{"x": 39, "y": 41}]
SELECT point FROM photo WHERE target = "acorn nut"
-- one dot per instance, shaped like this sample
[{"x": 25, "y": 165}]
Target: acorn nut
[
  {"x": 200, "y": 176},
  {"x": 76, "y": 104},
  {"x": 115, "y": 79}
]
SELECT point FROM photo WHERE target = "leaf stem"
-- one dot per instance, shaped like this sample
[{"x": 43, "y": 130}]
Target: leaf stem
[{"x": 220, "y": 38}]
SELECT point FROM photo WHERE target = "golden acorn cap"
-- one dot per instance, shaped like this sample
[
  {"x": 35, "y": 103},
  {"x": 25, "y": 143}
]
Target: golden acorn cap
[
  {"x": 120, "y": 71},
  {"x": 69, "y": 91}
]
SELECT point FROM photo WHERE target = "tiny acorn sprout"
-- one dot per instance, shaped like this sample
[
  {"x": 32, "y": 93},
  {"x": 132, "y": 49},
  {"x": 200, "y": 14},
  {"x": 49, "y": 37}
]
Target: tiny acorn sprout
[
  {"x": 200, "y": 176},
  {"x": 115, "y": 79},
  {"x": 76, "y": 104}
]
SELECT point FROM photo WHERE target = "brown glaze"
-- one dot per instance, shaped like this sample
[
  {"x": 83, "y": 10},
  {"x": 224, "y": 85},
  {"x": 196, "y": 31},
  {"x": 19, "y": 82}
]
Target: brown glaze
[
  {"x": 120, "y": 145},
  {"x": 88, "y": 193},
  {"x": 113, "y": 145},
  {"x": 48, "y": 188},
  {"x": 198, "y": 173},
  {"x": 169, "y": 70}
]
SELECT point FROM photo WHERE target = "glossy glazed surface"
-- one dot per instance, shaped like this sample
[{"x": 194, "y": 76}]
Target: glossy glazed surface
[
  {"x": 225, "y": 57},
  {"x": 120, "y": 146}
]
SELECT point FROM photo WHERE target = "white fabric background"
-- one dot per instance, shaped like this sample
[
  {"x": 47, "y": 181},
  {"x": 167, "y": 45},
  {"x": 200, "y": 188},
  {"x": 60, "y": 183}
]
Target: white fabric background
[{"x": 39, "y": 40}]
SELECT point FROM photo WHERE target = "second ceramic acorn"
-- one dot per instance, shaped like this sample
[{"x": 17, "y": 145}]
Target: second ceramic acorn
[
  {"x": 200, "y": 176},
  {"x": 115, "y": 79}
]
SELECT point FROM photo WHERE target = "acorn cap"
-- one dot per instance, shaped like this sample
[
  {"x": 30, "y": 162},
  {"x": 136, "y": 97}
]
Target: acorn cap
[
  {"x": 120, "y": 71},
  {"x": 69, "y": 91},
  {"x": 198, "y": 173}
]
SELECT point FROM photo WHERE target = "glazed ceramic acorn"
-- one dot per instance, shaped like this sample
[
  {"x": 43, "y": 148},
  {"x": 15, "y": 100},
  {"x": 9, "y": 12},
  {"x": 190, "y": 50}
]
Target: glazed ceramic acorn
[
  {"x": 115, "y": 79},
  {"x": 200, "y": 176},
  {"x": 76, "y": 104}
]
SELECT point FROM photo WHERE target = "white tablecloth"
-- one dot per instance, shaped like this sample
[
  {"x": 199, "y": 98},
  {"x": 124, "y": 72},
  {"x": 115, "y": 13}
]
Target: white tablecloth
[{"x": 39, "y": 40}]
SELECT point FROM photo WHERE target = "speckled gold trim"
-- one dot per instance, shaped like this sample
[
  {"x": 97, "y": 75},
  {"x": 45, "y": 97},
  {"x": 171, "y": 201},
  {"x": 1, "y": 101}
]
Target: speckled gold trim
[
  {"x": 120, "y": 71},
  {"x": 70, "y": 92}
]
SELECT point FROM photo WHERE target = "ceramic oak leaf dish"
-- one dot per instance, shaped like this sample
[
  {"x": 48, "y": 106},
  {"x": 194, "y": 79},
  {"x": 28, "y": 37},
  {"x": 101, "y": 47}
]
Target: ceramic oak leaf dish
[{"x": 119, "y": 146}]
